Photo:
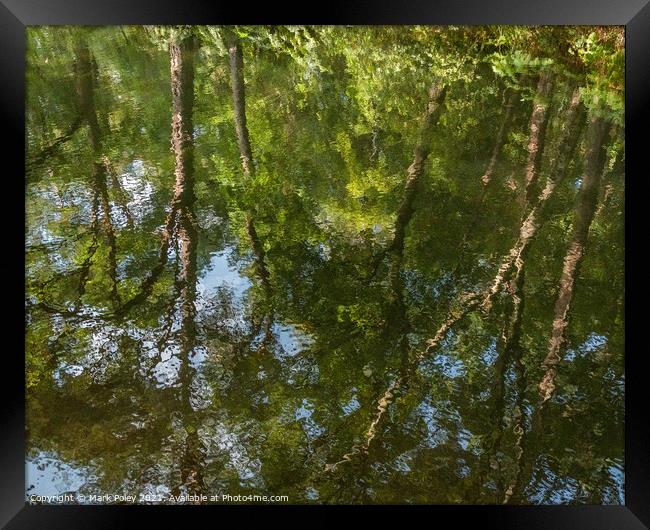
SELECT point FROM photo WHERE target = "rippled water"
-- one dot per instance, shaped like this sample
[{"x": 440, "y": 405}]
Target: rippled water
[{"x": 296, "y": 359}]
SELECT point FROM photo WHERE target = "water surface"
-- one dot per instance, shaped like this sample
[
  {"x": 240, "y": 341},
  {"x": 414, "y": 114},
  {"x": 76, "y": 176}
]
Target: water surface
[{"x": 199, "y": 356}]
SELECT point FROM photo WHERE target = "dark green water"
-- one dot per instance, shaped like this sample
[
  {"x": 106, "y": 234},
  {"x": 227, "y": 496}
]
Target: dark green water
[{"x": 266, "y": 332}]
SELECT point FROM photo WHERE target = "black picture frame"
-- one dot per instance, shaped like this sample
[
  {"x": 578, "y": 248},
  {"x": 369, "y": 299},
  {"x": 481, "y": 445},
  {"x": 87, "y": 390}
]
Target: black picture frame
[{"x": 15, "y": 15}]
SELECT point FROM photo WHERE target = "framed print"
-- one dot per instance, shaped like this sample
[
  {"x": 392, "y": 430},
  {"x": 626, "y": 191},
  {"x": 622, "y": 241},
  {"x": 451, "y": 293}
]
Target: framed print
[{"x": 373, "y": 259}]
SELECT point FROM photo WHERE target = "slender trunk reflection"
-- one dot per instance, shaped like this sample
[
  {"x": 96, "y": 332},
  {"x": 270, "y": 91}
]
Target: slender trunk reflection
[
  {"x": 182, "y": 50},
  {"x": 86, "y": 79},
  {"x": 236, "y": 62},
  {"x": 437, "y": 95},
  {"x": 585, "y": 207}
]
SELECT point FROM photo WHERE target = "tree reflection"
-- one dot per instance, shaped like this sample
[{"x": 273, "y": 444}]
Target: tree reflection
[{"x": 377, "y": 265}]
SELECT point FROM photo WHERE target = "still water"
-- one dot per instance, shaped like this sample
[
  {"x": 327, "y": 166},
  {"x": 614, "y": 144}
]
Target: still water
[{"x": 288, "y": 318}]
